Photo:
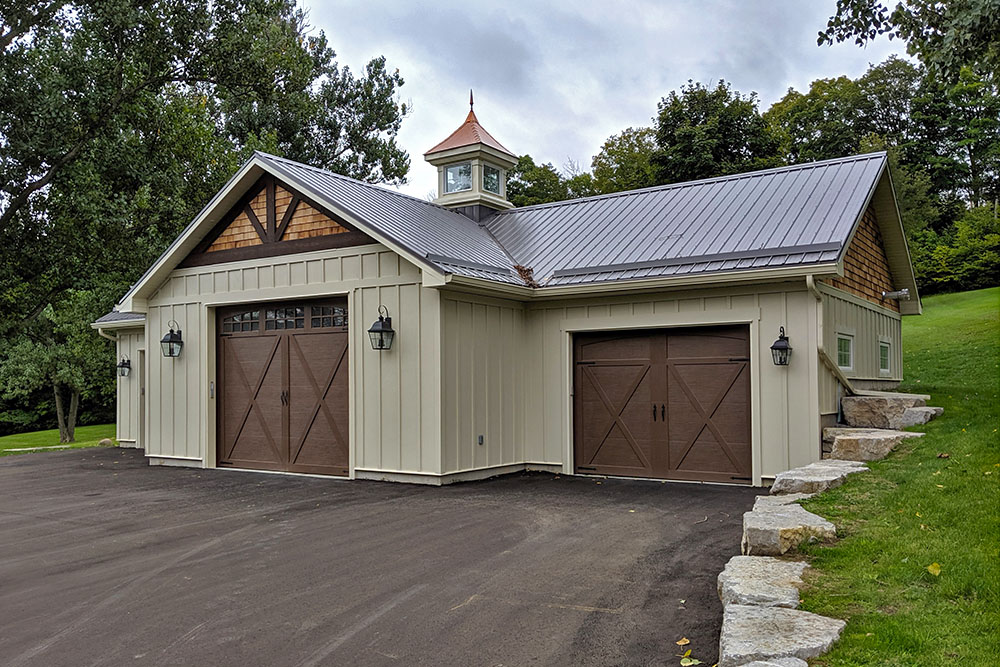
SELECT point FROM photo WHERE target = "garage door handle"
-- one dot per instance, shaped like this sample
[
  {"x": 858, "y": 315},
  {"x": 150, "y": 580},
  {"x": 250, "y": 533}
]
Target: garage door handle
[
  {"x": 663, "y": 412},
  {"x": 654, "y": 412}
]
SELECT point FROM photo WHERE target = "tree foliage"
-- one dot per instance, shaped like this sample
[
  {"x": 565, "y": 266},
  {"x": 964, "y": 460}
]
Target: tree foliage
[
  {"x": 703, "y": 132},
  {"x": 945, "y": 36},
  {"x": 119, "y": 119},
  {"x": 529, "y": 183},
  {"x": 625, "y": 161},
  {"x": 56, "y": 353}
]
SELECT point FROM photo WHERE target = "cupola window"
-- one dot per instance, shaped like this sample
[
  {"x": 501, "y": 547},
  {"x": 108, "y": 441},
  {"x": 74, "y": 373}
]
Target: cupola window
[
  {"x": 491, "y": 179},
  {"x": 458, "y": 177}
]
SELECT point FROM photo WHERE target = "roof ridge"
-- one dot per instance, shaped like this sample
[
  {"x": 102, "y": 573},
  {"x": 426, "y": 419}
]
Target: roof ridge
[
  {"x": 372, "y": 186},
  {"x": 700, "y": 181}
]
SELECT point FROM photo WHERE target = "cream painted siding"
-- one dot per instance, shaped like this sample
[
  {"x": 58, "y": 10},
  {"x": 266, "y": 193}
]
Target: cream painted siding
[
  {"x": 395, "y": 407},
  {"x": 127, "y": 417},
  {"x": 869, "y": 324},
  {"x": 482, "y": 369},
  {"x": 784, "y": 400}
]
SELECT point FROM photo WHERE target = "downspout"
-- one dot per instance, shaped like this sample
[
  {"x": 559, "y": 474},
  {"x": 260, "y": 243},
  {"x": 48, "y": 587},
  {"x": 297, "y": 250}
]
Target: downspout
[
  {"x": 820, "y": 348},
  {"x": 102, "y": 334}
]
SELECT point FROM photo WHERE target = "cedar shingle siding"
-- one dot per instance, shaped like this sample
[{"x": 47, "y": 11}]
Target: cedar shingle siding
[{"x": 866, "y": 269}]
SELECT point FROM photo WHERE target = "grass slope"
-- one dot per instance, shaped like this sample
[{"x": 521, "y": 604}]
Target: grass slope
[
  {"x": 86, "y": 436},
  {"x": 917, "y": 508}
]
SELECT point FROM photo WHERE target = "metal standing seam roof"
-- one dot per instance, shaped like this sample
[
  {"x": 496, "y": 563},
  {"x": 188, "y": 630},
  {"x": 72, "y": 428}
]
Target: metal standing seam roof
[
  {"x": 802, "y": 214},
  {"x": 798, "y": 215},
  {"x": 447, "y": 239},
  {"x": 116, "y": 316}
]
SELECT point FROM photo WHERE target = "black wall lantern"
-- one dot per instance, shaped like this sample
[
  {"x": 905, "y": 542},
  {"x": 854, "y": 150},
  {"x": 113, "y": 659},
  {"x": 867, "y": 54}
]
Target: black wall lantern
[
  {"x": 381, "y": 333},
  {"x": 781, "y": 350},
  {"x": 172, "y": 343},
  {"x": 124, "y": 367}
]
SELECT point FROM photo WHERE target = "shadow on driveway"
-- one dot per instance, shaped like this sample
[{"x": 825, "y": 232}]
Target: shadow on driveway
[{"x": 105, "y": 560}]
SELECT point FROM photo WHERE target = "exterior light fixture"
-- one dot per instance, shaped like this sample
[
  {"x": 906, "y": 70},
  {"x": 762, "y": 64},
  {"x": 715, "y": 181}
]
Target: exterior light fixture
[
  {"x": 781, "y": 351},
  {"x": 172, "y": 343},
  {"x": 124, "y": 367},
  {"x": 381, "y": 333}
]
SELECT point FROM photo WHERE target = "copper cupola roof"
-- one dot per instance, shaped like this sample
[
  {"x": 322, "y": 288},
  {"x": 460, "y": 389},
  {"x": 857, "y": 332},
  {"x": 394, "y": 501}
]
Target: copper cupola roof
[{"x": 469, "y": 134}]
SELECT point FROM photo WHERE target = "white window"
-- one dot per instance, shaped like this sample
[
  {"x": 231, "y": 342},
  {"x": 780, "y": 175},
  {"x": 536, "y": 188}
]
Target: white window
[
  {"x": 458, "y": 177},
  {"x": 491, "y": 179},
  {"x": 883, "y": 358},
  {"x": 845, "y": 351}
]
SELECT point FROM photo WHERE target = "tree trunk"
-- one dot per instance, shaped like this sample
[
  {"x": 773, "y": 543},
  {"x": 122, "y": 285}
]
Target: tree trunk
[
  {"x": 74, "y": 407},
  {"x": 66, "y": 426}
]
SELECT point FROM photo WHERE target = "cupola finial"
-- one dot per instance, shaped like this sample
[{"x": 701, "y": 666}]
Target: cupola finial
[{"x": 471, "y": 102}]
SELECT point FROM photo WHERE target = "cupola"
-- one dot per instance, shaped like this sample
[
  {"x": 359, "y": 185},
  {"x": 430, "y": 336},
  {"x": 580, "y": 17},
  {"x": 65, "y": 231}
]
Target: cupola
[{"x": 472, "y": 169}]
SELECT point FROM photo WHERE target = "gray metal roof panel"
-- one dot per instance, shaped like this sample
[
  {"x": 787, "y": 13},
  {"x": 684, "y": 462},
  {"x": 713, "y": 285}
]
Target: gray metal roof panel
[
  {"x": 779, "y": 215},
  {"x": 424, "y": 228},
  {"x": 116, "y": 316}
]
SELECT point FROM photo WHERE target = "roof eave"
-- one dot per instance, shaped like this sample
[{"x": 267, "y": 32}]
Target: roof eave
[
  {"x": 139, "y": 323},
  {"x": 705, "y": 279}
]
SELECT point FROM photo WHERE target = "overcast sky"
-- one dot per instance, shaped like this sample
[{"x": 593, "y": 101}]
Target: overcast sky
[{"x": 555, "y": 79}]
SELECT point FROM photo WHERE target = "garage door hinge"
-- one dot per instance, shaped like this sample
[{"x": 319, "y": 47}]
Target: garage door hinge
[
  {"x": 741, "y": 479},
  {"x": 739, "y": 358},
  {"x": 585, "y": 363}
]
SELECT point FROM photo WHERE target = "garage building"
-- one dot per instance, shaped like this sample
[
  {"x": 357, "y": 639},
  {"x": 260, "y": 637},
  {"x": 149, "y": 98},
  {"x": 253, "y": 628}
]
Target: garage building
[{"x": 627, "y": 334}]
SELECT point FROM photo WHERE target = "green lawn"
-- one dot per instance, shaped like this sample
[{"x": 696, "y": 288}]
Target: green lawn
[
  {"x": 934, "y": 503},
  {"x": 86, "y": 436}
]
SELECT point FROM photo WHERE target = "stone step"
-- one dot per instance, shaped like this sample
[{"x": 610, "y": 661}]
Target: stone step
[
  {"x": 766, "y": 634},
  {"x": 919, "y": 415},
  {"x": 761, "y": 581},
  {"x": 884, "y": 411},
  {"x": 831, "y": 432},
  {"x": 777, "y": 662},
  {"x": 778, "y": 524},
  {"x": 816, "y": 477},
  {"x": 872, "y": 445}
]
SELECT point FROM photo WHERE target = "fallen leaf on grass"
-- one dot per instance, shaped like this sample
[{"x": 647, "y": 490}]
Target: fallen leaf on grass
[
  {"x": 683, "y": 641},
  {"x": 944, "y": 455},
  {"x": 939, "y": 486},
  {"x": 934, "y": 569}
]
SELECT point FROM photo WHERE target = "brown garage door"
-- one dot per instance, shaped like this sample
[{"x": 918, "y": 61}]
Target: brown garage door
[
  {"x": 670, "y": 403},
  {"x": 283, "y": 389}
]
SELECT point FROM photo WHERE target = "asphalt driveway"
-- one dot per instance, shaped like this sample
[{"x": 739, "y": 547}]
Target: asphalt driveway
[{"x": 107, "y": 561}]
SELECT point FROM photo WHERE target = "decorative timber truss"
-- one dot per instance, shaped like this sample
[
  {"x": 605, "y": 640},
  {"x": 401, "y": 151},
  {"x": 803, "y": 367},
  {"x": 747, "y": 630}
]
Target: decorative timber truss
[{"x": 273, "y": 219}]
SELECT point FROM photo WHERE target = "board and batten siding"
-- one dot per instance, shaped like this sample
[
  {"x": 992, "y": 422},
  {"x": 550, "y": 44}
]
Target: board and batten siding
[
  {"x": 482, "y": 371},
  {"x": 395, "y": 407},
  {"x": 868, "y": 324},
  {"x": 785, "y": 420},
  {"x": 127, "y": 406}
]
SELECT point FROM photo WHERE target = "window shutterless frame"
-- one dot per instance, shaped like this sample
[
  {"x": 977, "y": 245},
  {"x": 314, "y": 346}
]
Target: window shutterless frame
[{"x": 845, "y": 351}]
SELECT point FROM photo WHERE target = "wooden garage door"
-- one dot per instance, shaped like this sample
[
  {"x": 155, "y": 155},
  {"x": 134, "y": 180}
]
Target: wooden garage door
[
  {"x": 670, "y": 404},
  {"x": 283, "y": 389}
]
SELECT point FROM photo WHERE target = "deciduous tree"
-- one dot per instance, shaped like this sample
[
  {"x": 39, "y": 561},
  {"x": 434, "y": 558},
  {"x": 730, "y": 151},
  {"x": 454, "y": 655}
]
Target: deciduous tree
[{"x": 703, "y": 132}]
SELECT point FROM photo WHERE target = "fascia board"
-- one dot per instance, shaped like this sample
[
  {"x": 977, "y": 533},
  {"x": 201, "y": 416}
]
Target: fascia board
[
  {"x": 120, "y": 324},
  {"x": 900, "y": 261},
  {"x": 645, "y": 284}
]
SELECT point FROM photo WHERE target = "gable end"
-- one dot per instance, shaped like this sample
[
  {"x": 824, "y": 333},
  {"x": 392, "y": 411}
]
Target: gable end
[
  {"x": 866, "y": 267},
  {"x": 273, "y": 219}
]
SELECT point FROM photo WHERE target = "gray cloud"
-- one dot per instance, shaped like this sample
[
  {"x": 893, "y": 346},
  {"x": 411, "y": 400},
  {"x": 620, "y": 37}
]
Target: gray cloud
[{"x": 556, "y": 79}]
